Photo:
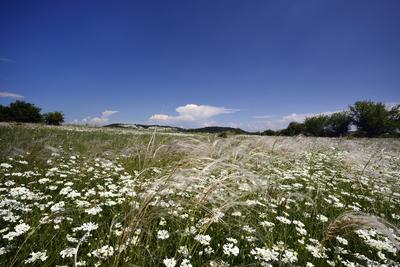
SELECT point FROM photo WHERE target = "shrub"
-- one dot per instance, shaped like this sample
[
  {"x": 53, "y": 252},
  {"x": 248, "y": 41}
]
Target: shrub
[{"x": 54, "y": 118}]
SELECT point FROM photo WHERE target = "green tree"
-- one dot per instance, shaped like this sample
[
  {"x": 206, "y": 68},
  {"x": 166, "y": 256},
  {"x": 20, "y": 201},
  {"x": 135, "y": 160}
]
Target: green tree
[
  {"x": 394, "y": 121},
  {"x": 54, "y": 118},
  {"x": 294, "y": 128},
  {"x": 269, "y": 132},
  {"x": 4, "y": 113},
  {"x": 372, "y": 119},
  {"x": 21, "y": 111},
  {"x": 315, "y": 126},
  {"x": 338, "y": 124}
]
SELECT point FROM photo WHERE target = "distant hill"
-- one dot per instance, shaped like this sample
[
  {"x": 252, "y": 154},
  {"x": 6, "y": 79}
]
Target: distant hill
[
  {"x": 143, "y": 126},
  {"x": 209, "y": 129},
  {"x": 217, "y": 129}
]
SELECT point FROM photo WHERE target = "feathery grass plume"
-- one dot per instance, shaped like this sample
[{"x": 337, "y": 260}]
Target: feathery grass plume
[{"x": 351, "y": 220}]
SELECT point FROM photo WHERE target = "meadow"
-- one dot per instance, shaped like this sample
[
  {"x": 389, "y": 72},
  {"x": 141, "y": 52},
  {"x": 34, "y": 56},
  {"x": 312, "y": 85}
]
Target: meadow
[{"x": 81, "y": 196}]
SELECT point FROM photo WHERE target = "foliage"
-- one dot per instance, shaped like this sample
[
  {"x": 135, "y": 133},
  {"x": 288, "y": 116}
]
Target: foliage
[
  {"x": 4, "y": 113},
  {"x": 394, "y": 121},
  {"x": 269, "y": 132},
  {"x": 53, "y": 118},
  {"x": 315, "y": 126},
  {"x": 371, "y": 119},
  {"x": 294, "y": 128},
  {"x": 337, "y": 124},
  {"x": 20, "y": 111}
]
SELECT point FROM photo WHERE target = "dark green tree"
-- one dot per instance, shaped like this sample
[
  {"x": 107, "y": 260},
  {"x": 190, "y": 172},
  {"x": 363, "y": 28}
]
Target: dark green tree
[
  {"x": 338, "y": 124},
  {"x": 21, "y": 111},
  {"x": 53, "y": 118},
  {"x": 4, "y": 113},
  {"x": 294, "y": 128},
  {"x": 393, "y": 127},
  {"x": 315, "y": 126},
  {"x": 269, "y": 132},
  {"x": 371, "y": 119}
]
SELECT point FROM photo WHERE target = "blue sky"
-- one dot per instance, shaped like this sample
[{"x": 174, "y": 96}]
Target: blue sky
[{"x": 254, "y": 64}]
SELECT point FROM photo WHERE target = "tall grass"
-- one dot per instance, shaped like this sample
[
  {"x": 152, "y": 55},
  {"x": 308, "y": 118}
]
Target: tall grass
[{"x": 197, "y": 200}]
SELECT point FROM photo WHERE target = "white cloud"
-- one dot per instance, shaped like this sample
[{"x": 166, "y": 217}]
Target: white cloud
[
  {"x": 263, "y": 117},
  {"x": 6, "y": 60},
  {"x": 199, "y": 114},
  {"x": 159, "y": 117},
  {"x": 10, "y": 95},
  {"x": 103, "y": 119},
  {"x": 108, "y": 113}
]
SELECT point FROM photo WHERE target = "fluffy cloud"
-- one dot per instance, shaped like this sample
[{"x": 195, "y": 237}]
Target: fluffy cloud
[
  {"x": 104, "y": 118},
  {"x": 10, "y": 95},
  {"x": 192, "y": 113}
]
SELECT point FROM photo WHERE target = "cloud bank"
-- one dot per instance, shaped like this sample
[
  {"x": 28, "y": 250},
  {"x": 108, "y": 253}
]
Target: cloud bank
[
  {"x": 10, "y": 95},
  {"x": 192, "y": 113},
  {"x": 103, "y": 119}
]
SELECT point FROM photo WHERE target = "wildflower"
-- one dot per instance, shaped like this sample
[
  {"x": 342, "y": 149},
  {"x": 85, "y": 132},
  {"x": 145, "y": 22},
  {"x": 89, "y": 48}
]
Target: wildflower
[
  {"x": 5, "y": 165},
  {"x": 183, "y": 250},
  {"x": 169, "y": 262},
  {"x": 162, "y": 221},
  {"x": 322, "y": 218},
  {"x": 203, "y": 239},
  {"x": 186, "y": 263},
  {"x": 266, "y": 255},
  {"x": 162, "y": 234},
  {"x": 86, "y": 227},
  {"x": 249, "y": 229},
  {"x": 342, "y": 240},
  {"x": 316, "y": 251},
  {"x": 36, "y": 256},
  {"x": 68, "y": 252},
  {"x": 209, "y": 250},
  {"x": 236, "y": 214},
  {"x": 230, "y": 249},
  {"x": 58, "y": 207},
  {"x": 104, "y": 252},
  {"x": 19, "y": 229},
  {"x": 289, "y": 256},
  {"x": 94, "y": 210},
  {"x": 283, "y": 220},
  {"x": 267, "y": 224}
]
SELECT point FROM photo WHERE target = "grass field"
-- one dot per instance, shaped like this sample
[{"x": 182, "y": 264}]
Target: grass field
[{"x": 78, "y": 196}]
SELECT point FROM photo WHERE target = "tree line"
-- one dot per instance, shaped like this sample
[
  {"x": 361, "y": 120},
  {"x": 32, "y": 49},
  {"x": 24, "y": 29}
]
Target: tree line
[
  {"x": 368, "y": 118},
  {"x": 20, "y": 111}
]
